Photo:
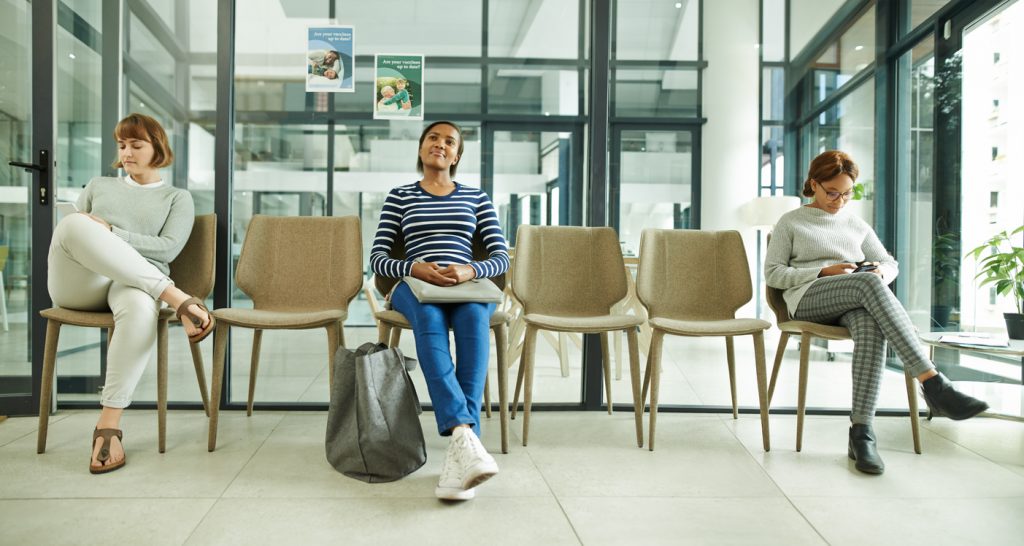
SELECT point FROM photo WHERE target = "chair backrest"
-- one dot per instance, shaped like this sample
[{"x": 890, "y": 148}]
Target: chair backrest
[
  {"x": 692, "y": 275},
  {"x": 480, "y": 253},
  {"x": 568, "y": 271},
  {"x": 194, "y": 267},
  {"x": 301, "y": 263},
  {"x": 775, "y": 300},
  {"x": 777, "y": 304}
]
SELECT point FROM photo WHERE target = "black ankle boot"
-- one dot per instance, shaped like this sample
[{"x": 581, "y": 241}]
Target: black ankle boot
[
  {"x": 863, "y": 451},
  {"x": 944, "y": 400}
]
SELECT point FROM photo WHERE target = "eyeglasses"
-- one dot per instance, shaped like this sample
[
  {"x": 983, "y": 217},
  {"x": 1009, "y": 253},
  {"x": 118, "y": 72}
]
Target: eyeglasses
[{"x": 833, "y": 195}]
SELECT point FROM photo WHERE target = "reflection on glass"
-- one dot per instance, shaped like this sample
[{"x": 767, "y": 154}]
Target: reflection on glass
[
  {"x": 919, "y": 11},
  {"x": 657, "y": 30},
  {"x": 533, "y": 90},
  {"x": 656, "y": 93},
  {"x": 992, "y": 159},
  {"x": 849, "y": 55},
  {"x": 547, "y": 29},
  {"x": 15, "y": 233},
  {"x": 656, "y": 183},
  {"x": 849, "y": 126},
  {"x": 931, "y": 260}
]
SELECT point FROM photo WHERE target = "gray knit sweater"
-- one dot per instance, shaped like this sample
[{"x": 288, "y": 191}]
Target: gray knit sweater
[
  {"x": 155, "y": 221},
  {"x": 808, "y": 239}
]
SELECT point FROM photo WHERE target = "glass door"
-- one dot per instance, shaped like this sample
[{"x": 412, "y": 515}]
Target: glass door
[
  {"x": 978, "y": 138},
  {"x": 27, "y": 127},
  {"x": 653, "y": 181}
]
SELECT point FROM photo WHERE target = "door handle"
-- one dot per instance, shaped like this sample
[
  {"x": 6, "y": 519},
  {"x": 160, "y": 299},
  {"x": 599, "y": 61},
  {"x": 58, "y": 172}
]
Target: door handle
[{"x": 43, "y": 167}]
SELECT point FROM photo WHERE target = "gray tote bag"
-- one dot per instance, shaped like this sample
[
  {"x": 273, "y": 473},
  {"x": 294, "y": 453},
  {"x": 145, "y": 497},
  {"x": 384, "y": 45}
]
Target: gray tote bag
[{"x": 373, "y": 426}]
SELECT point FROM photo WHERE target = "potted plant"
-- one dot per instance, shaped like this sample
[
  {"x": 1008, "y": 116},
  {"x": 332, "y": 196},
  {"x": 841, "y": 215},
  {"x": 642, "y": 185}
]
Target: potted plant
[{"x": 1003, "y": 267}]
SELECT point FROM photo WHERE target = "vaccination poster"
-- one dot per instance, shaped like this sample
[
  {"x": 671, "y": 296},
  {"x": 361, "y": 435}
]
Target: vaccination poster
[
  {"x": 329, "y": 59},
  {"x": 398, "y": 87}
]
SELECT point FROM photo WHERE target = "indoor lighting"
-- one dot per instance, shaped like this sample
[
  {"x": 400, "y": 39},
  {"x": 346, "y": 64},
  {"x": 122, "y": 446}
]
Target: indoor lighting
[
  {"x": 858, "y": 48},
  {"x": 71, "y": 55},
  {"x": 679, "y": 5}
]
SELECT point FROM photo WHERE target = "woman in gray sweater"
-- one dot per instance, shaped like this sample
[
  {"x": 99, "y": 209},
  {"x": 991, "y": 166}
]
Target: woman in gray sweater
[
  {"x": 115, "y": 254},
  {"x": 817, "y": 255}
]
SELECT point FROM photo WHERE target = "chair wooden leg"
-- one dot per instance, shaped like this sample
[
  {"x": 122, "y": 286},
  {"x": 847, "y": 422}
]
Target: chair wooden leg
[
  {"x": 563, "y": 353},
  {"x": 654, "y": 371},
  {"x": 730, "y": 356},
  {"x": 333, "y": 342},
  {"x": 521, "y": 373},
  {"x": 801, "y": 398},
  {"x": 606, "y": 369},
  {"x": 396, "y": 336},
  {"x": 779, "y": 352},
  {"x": 526, "y": 363},
  {"x": 197, "y": 362},
  {"x": 500, "y": 344},
  {"x": 914, "y": 417},
  {"x": 341, "y": 336},
  {"x": 634, "y": 382},
  {"x": 257, "y": 340},
  {"x": 383, "y": 332},
  {"x": 161, "y": 384},
  {"x": 220, "y": 345},
  {"x": 487, "y": 395},
  {"x": 762, "y": 388},
  {"x": 617, "y": 342},
  {"x": 46, "y": 386}
]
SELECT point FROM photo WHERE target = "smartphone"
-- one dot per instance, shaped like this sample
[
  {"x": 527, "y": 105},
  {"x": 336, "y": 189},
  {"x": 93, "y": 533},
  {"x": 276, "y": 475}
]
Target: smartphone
[{"x": 865, "y": 266}]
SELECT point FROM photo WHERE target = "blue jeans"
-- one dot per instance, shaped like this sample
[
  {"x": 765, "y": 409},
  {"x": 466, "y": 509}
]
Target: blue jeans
[{"x": 455, "y": 391}]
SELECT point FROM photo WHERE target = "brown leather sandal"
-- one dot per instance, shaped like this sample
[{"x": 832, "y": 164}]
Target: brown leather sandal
[
  {"x": 196, "y": 321},
  {"x": 104, "y": 454}
]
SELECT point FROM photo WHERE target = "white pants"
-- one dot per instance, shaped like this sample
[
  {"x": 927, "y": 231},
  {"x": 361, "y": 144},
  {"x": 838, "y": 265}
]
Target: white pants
[{"x": 91, "y": 269}]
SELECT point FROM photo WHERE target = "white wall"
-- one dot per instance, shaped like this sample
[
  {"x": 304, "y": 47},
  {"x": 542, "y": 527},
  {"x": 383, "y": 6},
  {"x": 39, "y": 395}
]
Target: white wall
[{"x": 806, "y": 17}]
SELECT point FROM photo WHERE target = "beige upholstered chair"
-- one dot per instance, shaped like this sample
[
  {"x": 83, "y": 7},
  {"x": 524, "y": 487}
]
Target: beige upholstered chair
[
  {"x": 193, "y": 272},
  {"x": 691, "y": 283},
  {"x": 301, "y": 273},
  {"x": 391, "y": 323},
  {"x": 568, "y": 279},
  {"x": 807, "y": 331}
]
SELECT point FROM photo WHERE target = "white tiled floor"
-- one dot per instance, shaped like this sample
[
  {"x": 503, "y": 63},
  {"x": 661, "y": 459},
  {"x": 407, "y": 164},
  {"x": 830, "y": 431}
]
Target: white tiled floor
[{"x": 581, "y": 480}]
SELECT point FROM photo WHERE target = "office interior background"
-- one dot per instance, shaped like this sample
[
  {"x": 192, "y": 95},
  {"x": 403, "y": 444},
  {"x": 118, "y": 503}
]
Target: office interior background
[{"x": 625, "y": 113}]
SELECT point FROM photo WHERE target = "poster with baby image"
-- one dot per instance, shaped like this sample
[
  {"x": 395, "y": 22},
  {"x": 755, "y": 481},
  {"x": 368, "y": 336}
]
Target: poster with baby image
[
  {"x": 329, "y": 59},
  {"x": 398, "y": 87}
]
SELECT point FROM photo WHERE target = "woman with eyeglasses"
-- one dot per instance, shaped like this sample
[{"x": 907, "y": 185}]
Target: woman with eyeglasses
[{"x": 834, "y": 270}]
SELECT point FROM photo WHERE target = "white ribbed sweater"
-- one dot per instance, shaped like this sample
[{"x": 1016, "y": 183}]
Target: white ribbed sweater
[{"x": 808, "y": 239}]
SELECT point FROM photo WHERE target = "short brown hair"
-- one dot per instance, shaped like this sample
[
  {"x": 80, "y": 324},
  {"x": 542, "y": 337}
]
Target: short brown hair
[
  {"x": 419, "y": 161},
  {"x": 143, "y": 127},
  {"x": 827, "y": 166}
]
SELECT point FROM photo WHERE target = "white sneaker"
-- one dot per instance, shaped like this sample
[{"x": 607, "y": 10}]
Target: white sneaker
[
  {"x": 477, "y": 464},
  {"x": 449, "y": 487}
]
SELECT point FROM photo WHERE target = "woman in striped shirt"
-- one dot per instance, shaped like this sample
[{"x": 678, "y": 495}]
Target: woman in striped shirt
[{"x": 438, "y": 218}]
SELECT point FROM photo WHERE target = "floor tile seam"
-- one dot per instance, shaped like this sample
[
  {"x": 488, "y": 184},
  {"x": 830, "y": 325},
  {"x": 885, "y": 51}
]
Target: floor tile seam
[
  {"x": 782, "y": 491},
  {"x": 424, "y": 496},
  {"x": 35, "y": 430},
  {"x": 252, "y": 455},
  {"x": 939, "y": 433},
  {"x": 125, "y": 498},
  {"x": 201, "y": 520},
  {"x": 909, "y": 498},
  {"x": 554, "y": 495}
]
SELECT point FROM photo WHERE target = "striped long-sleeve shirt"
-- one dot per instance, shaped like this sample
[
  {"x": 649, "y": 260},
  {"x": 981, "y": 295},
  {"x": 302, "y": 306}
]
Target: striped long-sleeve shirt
[{"x": 438, "y": 229}]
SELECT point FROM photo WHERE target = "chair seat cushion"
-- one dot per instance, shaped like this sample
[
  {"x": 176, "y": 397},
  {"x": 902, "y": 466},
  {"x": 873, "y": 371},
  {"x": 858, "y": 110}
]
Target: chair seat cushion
[
  {"x": 394, "y": 318},
  {"x": 821, "y": 330},
  {"x": 89, "y": 319},
  {"x": 586, "y": 325},
  {"x": 294, "y": 320},
  {"x": 728, "y": 327}
]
